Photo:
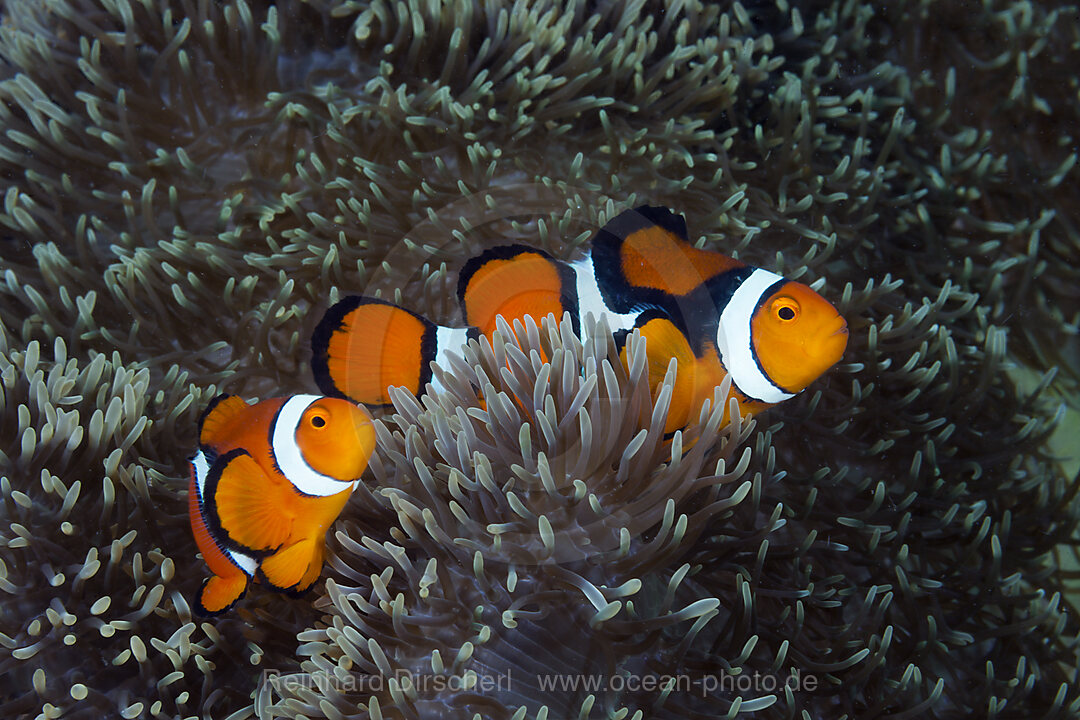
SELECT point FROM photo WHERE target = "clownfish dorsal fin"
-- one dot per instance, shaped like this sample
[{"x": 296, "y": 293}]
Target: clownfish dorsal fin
[
  {"x": 664, "y": 218},
  {"x": 254, "y": 510},
  {"x": 643, "y": 257},
  {"x": 217, "y": 415},
  {"x": 515, "y": 281}
]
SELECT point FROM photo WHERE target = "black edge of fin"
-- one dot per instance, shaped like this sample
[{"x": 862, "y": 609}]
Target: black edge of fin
[
  {"x": 568, "y": 296},
  {"x": 290, "y": 591},
  {"x": 201, "y": 610},
  {"x": 673, "y": 222},
  {"x": 214, "y": 402},
  {"x": 500, "y": 252}
]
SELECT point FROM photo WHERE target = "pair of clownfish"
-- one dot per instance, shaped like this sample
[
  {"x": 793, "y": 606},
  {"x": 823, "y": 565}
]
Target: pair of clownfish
[
  {"x": 715, "y": 315},
  {"x": 269, "y": 479}
]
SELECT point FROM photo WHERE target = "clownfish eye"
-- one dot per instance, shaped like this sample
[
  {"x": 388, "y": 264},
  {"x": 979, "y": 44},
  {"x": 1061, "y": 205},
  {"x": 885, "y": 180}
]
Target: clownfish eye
[
  {"x": 318, "y": 421},
  {"x": 785, "y": 309}
]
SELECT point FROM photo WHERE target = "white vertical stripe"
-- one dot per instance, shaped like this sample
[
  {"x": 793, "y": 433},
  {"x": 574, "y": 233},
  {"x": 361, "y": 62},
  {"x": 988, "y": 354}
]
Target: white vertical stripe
[
  {"x": 591, "y": 301},
  {"x": 243, "y": 561},
  {"x": 447, "y": 340},
  {"x": 202, "y": 469},
  {"x": 735, "y": 343},
  {"x": 291, "y": 460}
]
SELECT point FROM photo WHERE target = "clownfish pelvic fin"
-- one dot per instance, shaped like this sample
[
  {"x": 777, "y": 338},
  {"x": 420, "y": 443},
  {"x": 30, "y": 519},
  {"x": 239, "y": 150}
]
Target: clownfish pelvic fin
[{"x": 294, "y": 567}]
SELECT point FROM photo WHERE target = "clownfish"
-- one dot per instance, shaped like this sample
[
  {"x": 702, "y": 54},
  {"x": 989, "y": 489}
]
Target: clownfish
[
  {"x": 266, "y": 483},
  {"x": 715, "y": 315}
]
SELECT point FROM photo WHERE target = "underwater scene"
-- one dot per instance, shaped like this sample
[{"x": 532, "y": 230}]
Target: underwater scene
[{"x": 539, "y": 360}]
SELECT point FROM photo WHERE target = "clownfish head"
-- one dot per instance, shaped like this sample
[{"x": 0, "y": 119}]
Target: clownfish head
[
  {"x": 336, "y": 438},
  {"x": 797, "y": 335}
]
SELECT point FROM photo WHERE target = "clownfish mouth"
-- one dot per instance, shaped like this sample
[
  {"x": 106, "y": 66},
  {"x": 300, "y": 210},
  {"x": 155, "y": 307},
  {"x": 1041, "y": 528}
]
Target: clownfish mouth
[
  {"x": 829, "y": 343},
  {"x": 834, "y": 343}
]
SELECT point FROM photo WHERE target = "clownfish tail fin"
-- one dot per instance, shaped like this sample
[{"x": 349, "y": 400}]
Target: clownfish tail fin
[
  {"x": 363, "y": 346},
  {"x": 219, "y": 413},
  {"x": 515, "y": 281}
]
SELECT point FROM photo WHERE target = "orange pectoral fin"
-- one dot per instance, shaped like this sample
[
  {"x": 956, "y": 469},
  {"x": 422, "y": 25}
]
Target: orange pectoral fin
[
  {"x": 362, "y": 346},
  {"x": 709, "y": 373},
  {"x": 664, "y": 341},
  {"x": 295, "y": 567},
  {"x": 515, "y": 281},
  {"x": 252, "y": 509},
  {"x": 218, "y": 594}
]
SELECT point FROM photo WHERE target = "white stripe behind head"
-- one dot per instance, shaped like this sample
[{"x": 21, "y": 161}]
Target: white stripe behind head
[
  {"x": 734, "y": 341},
  {"x": 291, "y": 460}
]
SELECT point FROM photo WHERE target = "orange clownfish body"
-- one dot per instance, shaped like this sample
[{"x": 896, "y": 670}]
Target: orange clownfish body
[
  {"x": 266, "y": 483},
  {"x": 715, "y": 315}
]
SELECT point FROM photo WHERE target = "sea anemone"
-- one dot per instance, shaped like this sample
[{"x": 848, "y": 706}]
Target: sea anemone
[
  {"x": 187, "y": 185},
  {"x": 555, "y": 490}
]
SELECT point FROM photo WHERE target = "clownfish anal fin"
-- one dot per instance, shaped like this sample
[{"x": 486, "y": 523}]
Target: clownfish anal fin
[
  {"x": 218, "y": 414},
  {"x": 293, "y": 566},
  {"x": 364, "y": 345},
  {"x": 252, "y": 512},
  {"x": 516, "y": 281},
  {"x": 218, "y": 594}
]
